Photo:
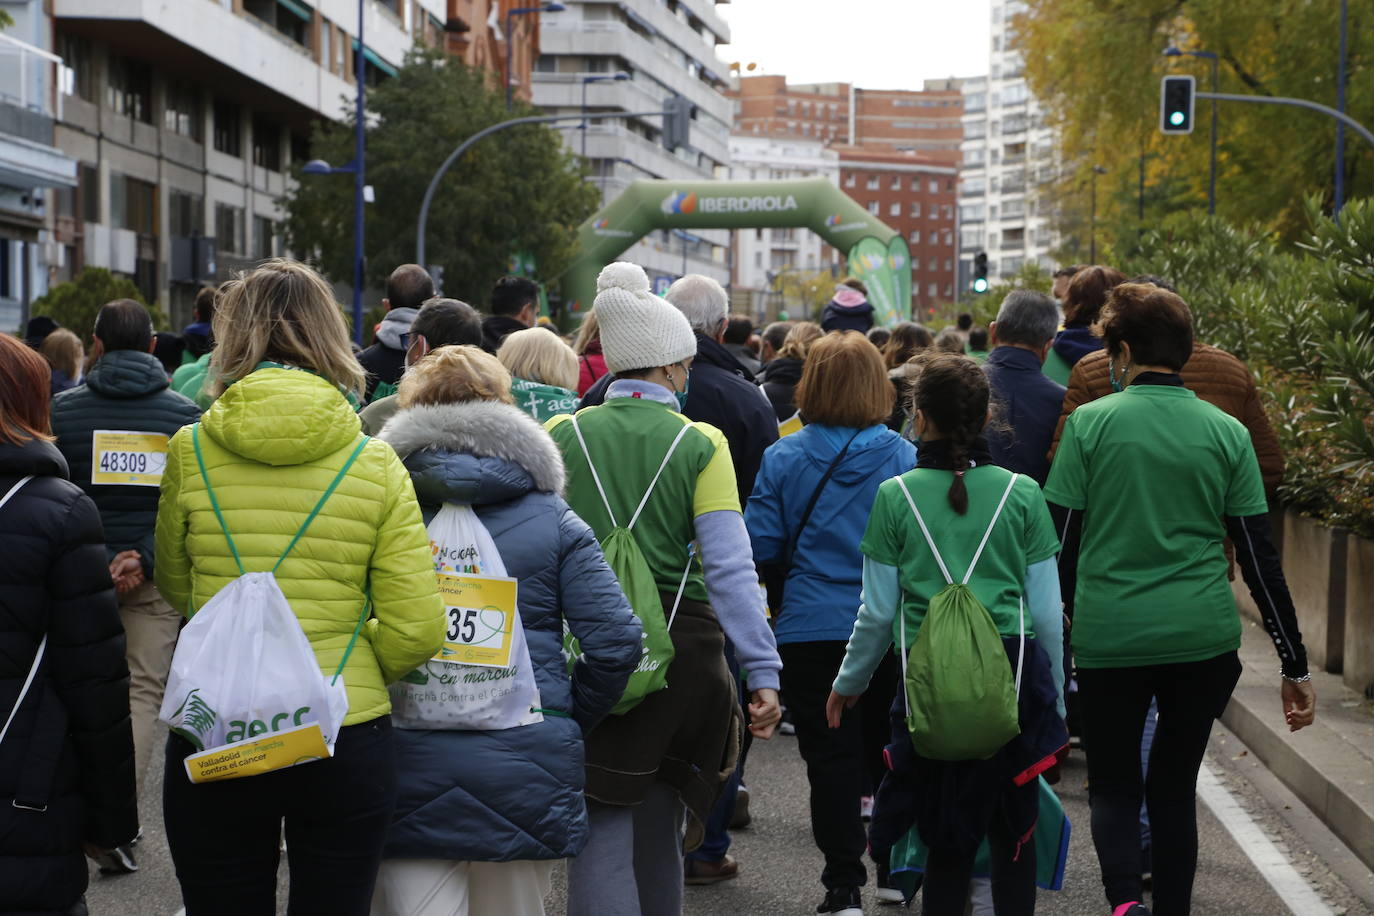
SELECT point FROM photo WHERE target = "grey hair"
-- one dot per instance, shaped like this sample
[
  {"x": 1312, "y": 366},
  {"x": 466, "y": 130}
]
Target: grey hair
[
  {"x": 1027, "y": 317},
  {"x": 702, "y": 300}
]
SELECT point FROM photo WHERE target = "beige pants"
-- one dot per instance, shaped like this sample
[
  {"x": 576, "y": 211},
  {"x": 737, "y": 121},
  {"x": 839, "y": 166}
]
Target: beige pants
[
  {"x": 150, "y": 633},
  {"x": 440, "y": 887}
]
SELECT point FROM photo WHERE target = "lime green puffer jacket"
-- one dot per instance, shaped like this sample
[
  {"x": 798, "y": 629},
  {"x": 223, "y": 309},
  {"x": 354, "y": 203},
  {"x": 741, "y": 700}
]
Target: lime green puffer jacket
[{"x": 272, "y": 443}]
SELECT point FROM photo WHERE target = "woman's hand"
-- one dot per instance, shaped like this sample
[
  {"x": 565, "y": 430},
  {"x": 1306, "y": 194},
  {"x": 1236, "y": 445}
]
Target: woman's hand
[
  {"x": 835, "y": 707},
  {"x": 765, "y": 712},
  {"x": 1299, "y": 704}
]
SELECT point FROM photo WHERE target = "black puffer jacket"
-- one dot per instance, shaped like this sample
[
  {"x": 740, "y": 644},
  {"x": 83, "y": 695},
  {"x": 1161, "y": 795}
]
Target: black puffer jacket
[
  {"x": 70, "y": 745},
  {"x": 126, "y": 390},
  {"x": 779, "y": 382}
]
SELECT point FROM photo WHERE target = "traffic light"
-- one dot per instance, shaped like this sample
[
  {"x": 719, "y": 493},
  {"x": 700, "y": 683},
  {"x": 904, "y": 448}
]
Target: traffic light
[
  {"x": 677, "y": 122},
  {"x": 980, "y": 272},
  {"x": 1176, "y": 104}
]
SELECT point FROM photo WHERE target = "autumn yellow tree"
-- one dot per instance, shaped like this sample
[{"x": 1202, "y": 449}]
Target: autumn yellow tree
[{"x": 1095, "y": 65}]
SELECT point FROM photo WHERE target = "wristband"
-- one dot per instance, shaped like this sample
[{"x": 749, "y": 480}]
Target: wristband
[{"x": 1296, "y": 680}]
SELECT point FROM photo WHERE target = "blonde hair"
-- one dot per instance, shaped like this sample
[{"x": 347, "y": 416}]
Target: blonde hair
[
  {"x": 63, "y": 351},
  {"x": 844, "y": 382},
  {"x": 539, "y": 355},
  {"x": 283, "y": 312},
  {"x": 589, "y": 332},
  {"x": 450, "y": 375},
  {"x": 800, "y": 339}
]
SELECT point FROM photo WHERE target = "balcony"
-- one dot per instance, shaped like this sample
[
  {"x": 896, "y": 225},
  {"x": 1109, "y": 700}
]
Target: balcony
[{"x": 30, "y": 100}]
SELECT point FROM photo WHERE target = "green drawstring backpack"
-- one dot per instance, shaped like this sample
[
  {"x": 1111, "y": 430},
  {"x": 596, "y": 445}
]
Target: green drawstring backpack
[
  {"x": 637, "y": 582},
  {"x": 961, "y": 700}
]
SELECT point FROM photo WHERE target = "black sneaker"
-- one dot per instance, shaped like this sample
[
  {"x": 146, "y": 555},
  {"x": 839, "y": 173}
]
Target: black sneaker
[
  {"x": 885, "y": 891},
  {"x": 842, "y": 901},
  {"x": 118, "y": 861}
]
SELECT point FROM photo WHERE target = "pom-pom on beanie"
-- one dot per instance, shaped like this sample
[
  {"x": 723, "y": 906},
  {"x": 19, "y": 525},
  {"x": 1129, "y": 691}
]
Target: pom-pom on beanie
[{"x": 638, "y": 329}]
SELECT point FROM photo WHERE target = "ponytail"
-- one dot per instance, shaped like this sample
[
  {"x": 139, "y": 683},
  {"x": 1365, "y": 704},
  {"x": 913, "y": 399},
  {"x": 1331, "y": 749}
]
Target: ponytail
[{"x": 953, "y": 392}]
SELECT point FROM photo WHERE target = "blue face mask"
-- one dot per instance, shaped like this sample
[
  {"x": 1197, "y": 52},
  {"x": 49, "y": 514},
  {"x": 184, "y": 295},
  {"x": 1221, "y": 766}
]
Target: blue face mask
[
  {"x": 686, "y": 386},
  {"x": 1117, "y": 383}
]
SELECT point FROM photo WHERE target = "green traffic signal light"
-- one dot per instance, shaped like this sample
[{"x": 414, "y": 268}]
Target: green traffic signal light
[
  {"x": 1176, "y": 95},
  {"x": 980, "y": 285},
  {"x": 1177, "y": 118}
]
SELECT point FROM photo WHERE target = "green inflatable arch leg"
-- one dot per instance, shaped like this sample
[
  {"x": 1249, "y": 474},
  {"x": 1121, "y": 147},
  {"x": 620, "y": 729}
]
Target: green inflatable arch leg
[{"x": 876, "y": 253}]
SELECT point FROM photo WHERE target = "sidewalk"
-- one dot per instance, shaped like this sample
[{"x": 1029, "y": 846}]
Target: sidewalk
[{"x": 1330, "y": 764}]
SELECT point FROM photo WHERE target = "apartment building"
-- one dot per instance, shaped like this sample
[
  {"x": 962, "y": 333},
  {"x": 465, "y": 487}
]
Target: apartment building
[
  {"x": 925, "y": 121},
  {"x": 658, "y": 48},
  {"x": 917, "y": 197},
  {"x": 759, "y": 257},
  {"x": 1008, "y": 152}
]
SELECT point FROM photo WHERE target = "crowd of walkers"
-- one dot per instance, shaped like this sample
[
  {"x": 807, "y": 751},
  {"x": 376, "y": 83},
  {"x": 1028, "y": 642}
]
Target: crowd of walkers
[{"x": 542, "y": 594}]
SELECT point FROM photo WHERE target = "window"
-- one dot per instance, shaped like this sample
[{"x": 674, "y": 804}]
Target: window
[
  {"x": 266, "y": 144},
  {"x": 133, "y": 204},
  {"x": 872, "y": 182},
  {"x": 915, "y": 236},
  {"x": 934, "y": 264},
  {"x": 264, "y": 238},
  {"x": 915, "y": 209},
  {"x": 873, "y": 207},
  {"x": 933, "y": 186},
  {"x": 850, "y": 180},
  {"x": 287, "y": 17},
  {"x": 975, "y": 101},
  {"x": 971, "y": 213},
  {"x": 228, "y": 128},
  {"x": 896, "y": 182},
  {"x": 185, "y": 214},
  {"x": 75, "y": 52},
  {"x": 931, "y": 290},
  {"x": 971, "y": 187},
  {"x": 229, "y": 228},
  {"x": 758, "y": 259},
  {"x": 182, "y": 114},
  {"x": 327, "y": 45},
  {"x": 129, "y": 90},
  {"x": 88, "y": 187}
]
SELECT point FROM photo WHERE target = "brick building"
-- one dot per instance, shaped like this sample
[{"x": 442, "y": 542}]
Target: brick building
[
  {"x": 469, "y": 35},
  {"x": 917, "y": 196}
]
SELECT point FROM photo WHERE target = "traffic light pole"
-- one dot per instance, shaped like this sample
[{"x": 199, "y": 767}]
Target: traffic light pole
[
  {"x": 1340, "y": 116},
  {"x": 488, "y": 131}
]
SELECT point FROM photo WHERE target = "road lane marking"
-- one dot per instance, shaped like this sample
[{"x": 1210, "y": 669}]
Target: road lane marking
[{"x": 1275, "y": 868}]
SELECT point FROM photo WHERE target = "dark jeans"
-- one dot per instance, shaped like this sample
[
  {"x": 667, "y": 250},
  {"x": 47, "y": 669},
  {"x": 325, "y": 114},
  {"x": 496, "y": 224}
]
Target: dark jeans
[
  {"x": 948, "y": 871},
  {"x": 715, "y": 842},
  {"x": 225, "y": 837},
  {"x": 839, "y": 760},
  {"x": 1115, "y": 702}
]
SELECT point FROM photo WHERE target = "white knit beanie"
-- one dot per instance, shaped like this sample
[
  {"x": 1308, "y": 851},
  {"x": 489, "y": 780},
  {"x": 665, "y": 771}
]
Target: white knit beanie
[{"x": 638, "y": 329}]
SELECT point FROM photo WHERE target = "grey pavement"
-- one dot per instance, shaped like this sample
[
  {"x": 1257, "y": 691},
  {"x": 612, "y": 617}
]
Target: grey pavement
[{"x": 781, "y": 866}]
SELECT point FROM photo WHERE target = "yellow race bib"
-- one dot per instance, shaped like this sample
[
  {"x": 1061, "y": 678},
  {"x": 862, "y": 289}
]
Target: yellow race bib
[
  {"x": 481, "y": 613},
  {"x": 128, "y": 458}
]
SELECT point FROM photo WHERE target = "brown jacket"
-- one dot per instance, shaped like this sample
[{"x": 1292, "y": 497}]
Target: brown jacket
[{"x": 1216, "y": 376}]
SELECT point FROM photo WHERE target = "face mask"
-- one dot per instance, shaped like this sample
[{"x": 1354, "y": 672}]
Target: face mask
[
  {"x": 686, "y": 386},
  {"x": 1118, "y": 384}
]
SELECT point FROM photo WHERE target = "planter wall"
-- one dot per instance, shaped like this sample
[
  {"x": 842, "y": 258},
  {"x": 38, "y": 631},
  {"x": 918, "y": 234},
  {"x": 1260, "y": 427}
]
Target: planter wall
[
  {"x": 1359, "y": 615},
  {"x": 1314, "y": 559}
]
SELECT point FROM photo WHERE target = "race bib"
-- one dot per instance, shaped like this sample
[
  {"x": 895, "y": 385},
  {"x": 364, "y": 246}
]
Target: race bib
[
  {"x": 128, "y": 458},
  {"x": 481, "y": 613}
]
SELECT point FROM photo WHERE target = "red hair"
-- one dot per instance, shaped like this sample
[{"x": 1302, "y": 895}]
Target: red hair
[{"x": 25, "y": 383}]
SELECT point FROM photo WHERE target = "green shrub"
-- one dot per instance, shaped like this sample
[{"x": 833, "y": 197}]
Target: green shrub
[{"x": 74, "y": 304}]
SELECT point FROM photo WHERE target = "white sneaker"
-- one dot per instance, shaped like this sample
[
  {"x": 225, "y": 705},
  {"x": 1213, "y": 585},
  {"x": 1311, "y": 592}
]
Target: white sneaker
[{"x": 866, "y": 807}]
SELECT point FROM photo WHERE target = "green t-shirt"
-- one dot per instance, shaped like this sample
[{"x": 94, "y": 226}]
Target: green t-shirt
[
  {"x": 1023, "y": 536},
  {"x": 1155, "y": 471},
  {"x": 1057, "y": 368},
  {"x": 627, "y": 439}
]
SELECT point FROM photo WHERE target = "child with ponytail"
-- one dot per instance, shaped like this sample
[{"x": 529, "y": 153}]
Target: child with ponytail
[{"x": 990, "y": 529}]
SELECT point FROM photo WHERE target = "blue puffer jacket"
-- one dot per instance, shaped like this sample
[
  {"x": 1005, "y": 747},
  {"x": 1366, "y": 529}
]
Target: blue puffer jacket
[
  {"x": 825, "y": 576},
  {"x": 497, "y": 796}
]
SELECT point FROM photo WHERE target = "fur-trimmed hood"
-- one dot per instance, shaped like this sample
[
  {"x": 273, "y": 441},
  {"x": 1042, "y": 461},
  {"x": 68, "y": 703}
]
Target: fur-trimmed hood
[{"x": 475, "y": 452}]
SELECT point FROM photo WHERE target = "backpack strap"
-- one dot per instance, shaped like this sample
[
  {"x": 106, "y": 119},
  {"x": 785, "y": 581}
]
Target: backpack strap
[
  {"x": 214, "y": 503},
  {"x": 977, "y": 554},
  {"x": 653, "y": 483},
  {"x": 944, "y": 570},
  {"x": 596, "y": 478},
  {"x": 324, "y": 498},
  {"x": 682, "y": 586}
]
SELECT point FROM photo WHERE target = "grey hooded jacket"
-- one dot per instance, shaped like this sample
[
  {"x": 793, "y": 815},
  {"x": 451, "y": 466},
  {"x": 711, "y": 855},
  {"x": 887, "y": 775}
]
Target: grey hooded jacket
[{"x": 496, "y": 796}]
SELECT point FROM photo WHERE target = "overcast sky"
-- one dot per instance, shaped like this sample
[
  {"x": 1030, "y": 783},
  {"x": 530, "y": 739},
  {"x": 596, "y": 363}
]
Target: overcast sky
[{"x": 875, "y": 44}]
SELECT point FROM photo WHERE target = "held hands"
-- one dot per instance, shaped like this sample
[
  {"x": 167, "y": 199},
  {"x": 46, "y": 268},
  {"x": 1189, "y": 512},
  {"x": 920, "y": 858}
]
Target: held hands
[
  {"x": 764, "y": 713},
  {"x": 1299, "y": 704},
  {"x": 835, "y": 707},
  {"x": 126, "y": 569}
]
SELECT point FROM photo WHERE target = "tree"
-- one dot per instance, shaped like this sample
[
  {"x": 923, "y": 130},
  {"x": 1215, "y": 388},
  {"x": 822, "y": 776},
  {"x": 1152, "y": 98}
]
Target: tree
[
  {"x": 803, "y": 294},
  {"x": 517, "y": 191},
  {"x": 1096, "y": 66},
  {"x": 74, "y": 304}
]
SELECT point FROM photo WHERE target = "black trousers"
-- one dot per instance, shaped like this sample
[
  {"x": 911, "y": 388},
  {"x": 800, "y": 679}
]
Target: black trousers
[
  {"x": 1114, "y": 703},
  {"x": 944, "y": 892},
  {"x": 838, "y": 761},
  {"x": 225, "y": 837}
]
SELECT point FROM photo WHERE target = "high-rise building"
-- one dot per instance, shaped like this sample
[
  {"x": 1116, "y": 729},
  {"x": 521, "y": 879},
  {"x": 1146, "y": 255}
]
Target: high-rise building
[
  {"x": 761, "y": 257},
  {"x": 917, "y": 197},
  {"x": 925, "y": 121},
  {"x": 662, "y": 48},
  {"x": 1008, "y": 151}
]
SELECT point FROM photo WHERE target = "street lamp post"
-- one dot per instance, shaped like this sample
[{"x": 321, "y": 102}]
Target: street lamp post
[
  {"x": 510, "y": 44},
  {"x": 618, "y": 76},
  {"x": 1092, "y": 219},
  {"x": 356, "y": 168},
  {"x": 1173, "y": 51}
]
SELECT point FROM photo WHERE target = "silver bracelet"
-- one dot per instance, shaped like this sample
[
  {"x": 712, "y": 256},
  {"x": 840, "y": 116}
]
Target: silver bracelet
[{"x": 1296, "y": 680}]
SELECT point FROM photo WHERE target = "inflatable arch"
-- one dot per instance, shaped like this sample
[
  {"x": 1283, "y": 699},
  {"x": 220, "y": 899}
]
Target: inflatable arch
[{"x": 876, "y": 254}]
